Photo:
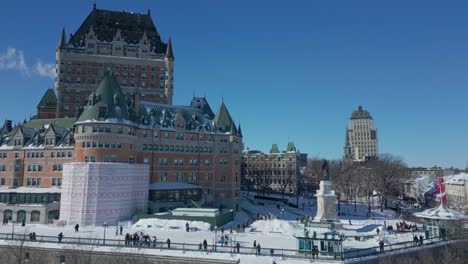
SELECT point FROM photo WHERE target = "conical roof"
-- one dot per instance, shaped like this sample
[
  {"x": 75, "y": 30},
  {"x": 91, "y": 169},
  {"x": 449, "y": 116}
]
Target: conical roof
[
  {"x": 169, "y": 52},
  {"x": 49, "y": 99},
  {"x": 223, "y": 120},
  {"x": 106, "y": 102},
  {"x": 291, "y": 147},
  {"x": 63, "y": 40},
  {"x": 274, "y": 149}
]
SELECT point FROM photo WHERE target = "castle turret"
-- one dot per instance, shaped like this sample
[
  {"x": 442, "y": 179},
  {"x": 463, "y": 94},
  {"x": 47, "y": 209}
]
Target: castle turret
[{"x": 169, "y": 84}]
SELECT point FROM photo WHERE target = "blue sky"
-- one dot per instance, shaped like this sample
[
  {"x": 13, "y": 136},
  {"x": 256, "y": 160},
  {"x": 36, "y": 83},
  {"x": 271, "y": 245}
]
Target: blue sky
[{"x": 288, "y": 70}]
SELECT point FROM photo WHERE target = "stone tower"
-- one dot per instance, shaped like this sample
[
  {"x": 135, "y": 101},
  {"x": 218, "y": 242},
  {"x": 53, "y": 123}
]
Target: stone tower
[{"x": 361, "y": 137}]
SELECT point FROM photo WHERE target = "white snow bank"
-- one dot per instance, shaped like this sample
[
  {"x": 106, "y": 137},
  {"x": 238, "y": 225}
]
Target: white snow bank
[
  {"x": 171, "y": 224},
  {"x": 277, "y": 226}
]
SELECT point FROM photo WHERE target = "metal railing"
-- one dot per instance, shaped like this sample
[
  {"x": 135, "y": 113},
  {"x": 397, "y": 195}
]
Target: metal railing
[
  {"x": 359, "y": 253},
  {"x": 163, "y": 245},
  {"x": 228, "y": 249}
]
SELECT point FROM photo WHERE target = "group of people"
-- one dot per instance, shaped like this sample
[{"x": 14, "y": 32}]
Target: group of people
[
  {"x": 403, "y": 226},
  {"x": 140, "y": 239},
  {"x": 418, "y": 241},
  {"x": 32, "y": 236}
]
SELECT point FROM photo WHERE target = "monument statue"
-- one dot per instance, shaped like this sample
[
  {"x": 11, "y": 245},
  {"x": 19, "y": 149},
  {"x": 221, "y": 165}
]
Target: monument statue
[{"x": 325, "y": 171}]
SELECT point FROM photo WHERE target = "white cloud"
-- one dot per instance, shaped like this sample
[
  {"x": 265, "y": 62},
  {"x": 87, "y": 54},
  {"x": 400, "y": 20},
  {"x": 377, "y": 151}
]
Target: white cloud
[
  {"x": 46, "y": 70},
  {"x": 13, "y": 59}
]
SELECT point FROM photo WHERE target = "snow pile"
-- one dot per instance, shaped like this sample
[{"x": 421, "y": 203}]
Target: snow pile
[
  {"x": 277, "y": 226},
  {"x": 172, "y": 224}
]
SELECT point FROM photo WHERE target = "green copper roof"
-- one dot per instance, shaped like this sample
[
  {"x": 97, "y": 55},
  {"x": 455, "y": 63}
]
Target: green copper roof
[
  {"x": 49, "y": 99},
  {"x": 361, "y": 114},
  {"x": 274, "y": 149},
  {"x": 107, "y": 102},
  {"x": 57, "y": 122},
  {"x": 291, "y": 147},
  {"x": 223, "y": 120}
]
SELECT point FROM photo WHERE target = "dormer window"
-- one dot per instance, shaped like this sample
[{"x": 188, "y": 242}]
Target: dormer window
[{"x": 102, "y": 112}]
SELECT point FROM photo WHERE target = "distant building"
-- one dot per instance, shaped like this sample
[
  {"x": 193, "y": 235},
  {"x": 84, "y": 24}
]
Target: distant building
[
  {"x": 126, "y": 42},
  {"x": 456, "y": 190},
  {"x": 276, "y": 171},
  {"x": 361, "y": 137}
]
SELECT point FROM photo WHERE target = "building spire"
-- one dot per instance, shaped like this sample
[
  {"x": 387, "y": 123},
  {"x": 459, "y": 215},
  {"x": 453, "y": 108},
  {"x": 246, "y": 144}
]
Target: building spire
[
  {"x": 63, "y": 40},
  {"x": 94, "y": 5},
  {"x": 169, "y": 52}
]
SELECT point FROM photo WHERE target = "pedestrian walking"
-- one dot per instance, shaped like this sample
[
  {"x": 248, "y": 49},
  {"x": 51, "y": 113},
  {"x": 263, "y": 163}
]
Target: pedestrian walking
[
  {"x": 187, "y": 226},
  {"x": 259, "y": 249},
  {"x": 121, "y": 229},
  {"x": 60, "y": 237},
  {"x": 205, "y": 245},
  {"x": 381, "y": 245},
  {"x": 222, "y": 230},
  {"x": 255, "y": 243},
  {"x": 238, "y": 247},
  {"x": 421, "y": 240},
  {"x": 77, "y": 227},
  {"x": 168, "y": 242},
  {"x": 243, "y": 227},
  {"x": 378, "y": 231},
  {"x": 116, "y": 231}
]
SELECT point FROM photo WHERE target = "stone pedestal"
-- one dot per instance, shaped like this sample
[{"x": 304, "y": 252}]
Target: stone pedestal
[{"x": 326, "y": 203}]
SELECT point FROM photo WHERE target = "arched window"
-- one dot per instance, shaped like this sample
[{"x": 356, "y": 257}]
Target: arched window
[
  {"x": 8, "y": 215},
  {"x": 35, "y": 216},
  {"x": 21, "y": 216}
]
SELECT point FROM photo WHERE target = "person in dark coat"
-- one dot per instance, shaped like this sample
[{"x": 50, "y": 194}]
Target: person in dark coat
[
  {"x": 381, "y": 245},
  {"x": 205, "y": 245},
  {"x": 121, "y": 229},
  {"x": 238, "y": 247},
  {"x": 187, "y": 226},
  {"x": 60, "y": 237},
  {"x": 255, "y": 243},
  {"x": 77, "y": 227},
  {"x": 421, "y": 240},
  {"x": 168, "y": 243},
  {"x": 259, "y": 249}
]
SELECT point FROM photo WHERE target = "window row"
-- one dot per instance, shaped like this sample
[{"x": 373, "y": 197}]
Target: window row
[
  {"x": 172, "y": 148},
  {"x": 94, "y": 144}
]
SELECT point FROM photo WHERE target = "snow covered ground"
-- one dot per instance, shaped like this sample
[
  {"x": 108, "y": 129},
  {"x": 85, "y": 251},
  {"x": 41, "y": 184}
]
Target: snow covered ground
[{"x": 273, "y": 233}]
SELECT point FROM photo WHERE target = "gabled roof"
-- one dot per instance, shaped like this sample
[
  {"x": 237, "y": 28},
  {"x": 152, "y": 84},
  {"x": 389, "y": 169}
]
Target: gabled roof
[
  {"x": 223, "y": 120},
  {"x": 106, "y": 102},
  {"x": 274, "y": 149},
  {"x": 105, "y": 24},
  {"x": 49, "y": 99}
]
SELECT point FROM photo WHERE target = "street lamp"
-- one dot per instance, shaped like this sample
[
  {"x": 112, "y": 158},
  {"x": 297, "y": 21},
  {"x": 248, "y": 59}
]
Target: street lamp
[
  {"x": 12, "y": 229},
  {"x": 105, "y": 227},
  {"x": 216, "y": 240}
]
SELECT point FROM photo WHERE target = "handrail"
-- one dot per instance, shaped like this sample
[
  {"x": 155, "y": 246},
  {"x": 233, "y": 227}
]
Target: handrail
[{"x": 231, "y": 249}]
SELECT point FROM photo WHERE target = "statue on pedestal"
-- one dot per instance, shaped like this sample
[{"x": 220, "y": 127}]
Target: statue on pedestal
[{"x": 325, "y": 171}]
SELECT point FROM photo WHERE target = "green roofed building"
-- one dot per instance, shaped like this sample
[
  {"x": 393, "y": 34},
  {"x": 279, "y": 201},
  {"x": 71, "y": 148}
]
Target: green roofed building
[
  {"x": 47, "y": 107},
  {"x": 276, "y": 171}
]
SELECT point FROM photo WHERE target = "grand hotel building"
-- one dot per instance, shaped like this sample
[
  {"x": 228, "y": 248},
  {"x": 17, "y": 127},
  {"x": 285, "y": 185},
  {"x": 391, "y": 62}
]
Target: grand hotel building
[{"x": 128, "y": 149}]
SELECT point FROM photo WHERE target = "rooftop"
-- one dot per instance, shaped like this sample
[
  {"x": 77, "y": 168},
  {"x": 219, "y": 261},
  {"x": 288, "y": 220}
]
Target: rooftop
[{"x": 361, "y": 114}]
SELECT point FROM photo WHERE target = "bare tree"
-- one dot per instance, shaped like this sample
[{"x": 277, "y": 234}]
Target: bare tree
[{"x": 389, "y": 174}]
